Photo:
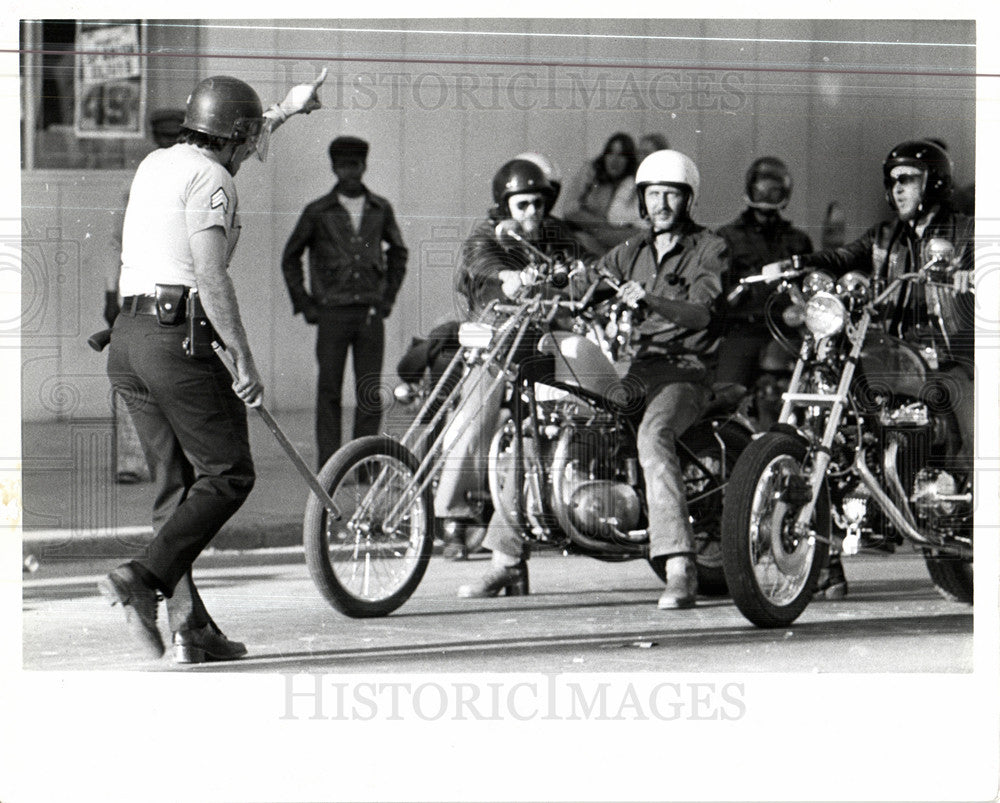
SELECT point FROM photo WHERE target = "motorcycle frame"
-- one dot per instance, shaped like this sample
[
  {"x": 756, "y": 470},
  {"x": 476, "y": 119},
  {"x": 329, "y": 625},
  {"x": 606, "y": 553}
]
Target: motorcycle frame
[{"x": 899, "y": 514}]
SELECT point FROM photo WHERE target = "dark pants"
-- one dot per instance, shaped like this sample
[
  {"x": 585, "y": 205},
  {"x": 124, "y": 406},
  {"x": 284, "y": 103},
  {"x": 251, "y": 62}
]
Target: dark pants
[
  {"x": 361, "y": 330},
  {"x": 193, "y": 430},
  {"x": 739, "y": 354}
]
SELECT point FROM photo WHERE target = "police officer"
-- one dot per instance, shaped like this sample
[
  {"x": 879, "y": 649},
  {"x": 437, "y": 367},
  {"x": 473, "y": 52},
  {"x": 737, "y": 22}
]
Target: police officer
[{"x": 180, "y": 229}]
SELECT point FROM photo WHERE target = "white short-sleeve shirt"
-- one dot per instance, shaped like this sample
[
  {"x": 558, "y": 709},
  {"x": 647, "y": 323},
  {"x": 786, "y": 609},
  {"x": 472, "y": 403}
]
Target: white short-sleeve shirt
[{"x": 176, "y": 192}]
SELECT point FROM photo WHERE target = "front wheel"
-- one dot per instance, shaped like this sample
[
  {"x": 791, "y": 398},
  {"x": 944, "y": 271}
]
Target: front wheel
[
  {"x": 368, "y": 564},
  {"x": 770, "y": 569}
]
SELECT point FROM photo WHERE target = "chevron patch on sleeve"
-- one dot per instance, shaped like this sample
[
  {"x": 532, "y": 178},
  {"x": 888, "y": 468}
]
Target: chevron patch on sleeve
[{"x": 219, "y": 198}]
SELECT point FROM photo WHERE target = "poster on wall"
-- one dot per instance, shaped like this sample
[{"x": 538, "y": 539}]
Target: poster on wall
[{"x": 110, "y": 80}]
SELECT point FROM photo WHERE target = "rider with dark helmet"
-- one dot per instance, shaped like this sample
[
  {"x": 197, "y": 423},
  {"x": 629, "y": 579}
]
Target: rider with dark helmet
[
  {"x": 758, "y": 236},
  {"x": 918, "y": 180},
  {"x": 181, "y": 226},
  {"x": 490, "y": 266}
]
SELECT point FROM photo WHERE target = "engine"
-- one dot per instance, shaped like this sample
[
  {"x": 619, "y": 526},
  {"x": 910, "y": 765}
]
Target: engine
[{"x": 595, "y": 485}]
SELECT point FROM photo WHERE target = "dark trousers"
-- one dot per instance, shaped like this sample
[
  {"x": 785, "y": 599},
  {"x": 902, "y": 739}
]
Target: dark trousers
[
  {"x": 193, "y": 430},
  {"x": 738, "y": 359},
  {"x": 360, "y": 330}
]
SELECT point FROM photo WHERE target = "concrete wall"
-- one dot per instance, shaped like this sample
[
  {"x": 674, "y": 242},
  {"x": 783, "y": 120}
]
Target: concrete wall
[{"x": 443, "y": 110}]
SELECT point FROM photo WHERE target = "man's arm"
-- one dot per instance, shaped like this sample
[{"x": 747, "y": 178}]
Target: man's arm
[
  {"x": 291, "y": 266},
  {"x": 395, "y": 255},
  {"x": 215, "y": 288}
]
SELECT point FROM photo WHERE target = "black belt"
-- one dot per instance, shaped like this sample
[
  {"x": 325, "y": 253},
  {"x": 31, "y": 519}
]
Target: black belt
[{"x": 139, "y": 305}]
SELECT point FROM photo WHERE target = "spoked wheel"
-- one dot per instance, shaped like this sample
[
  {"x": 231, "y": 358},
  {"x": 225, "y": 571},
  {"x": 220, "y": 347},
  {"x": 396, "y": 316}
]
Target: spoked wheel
[
  {"x": 771, "y": 570},
  {"x": 370, "y": 561},
  {"x": 705, "y": 481}
]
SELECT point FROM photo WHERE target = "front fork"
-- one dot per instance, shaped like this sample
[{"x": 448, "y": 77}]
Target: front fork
[{"x": 838, "y": 403}]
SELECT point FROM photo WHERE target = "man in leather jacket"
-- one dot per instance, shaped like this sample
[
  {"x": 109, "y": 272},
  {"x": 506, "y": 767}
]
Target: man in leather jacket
[
  {"x": 490, "y": 265},
  {"x": 758, "y": 236},
  {"x": 917, "y": 176},
  {"x": 357, "y": 260}
]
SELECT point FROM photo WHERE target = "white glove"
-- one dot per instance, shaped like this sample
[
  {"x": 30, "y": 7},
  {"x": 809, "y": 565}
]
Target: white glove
[
  {"x": 302, "y": 99},
  {"x": 510, "y": 282}
]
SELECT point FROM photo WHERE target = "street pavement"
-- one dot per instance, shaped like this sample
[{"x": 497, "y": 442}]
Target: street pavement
[{"x": 583, "y": 616}]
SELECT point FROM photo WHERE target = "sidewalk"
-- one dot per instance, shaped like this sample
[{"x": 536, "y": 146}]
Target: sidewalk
[{"x": 74, "y": 508}]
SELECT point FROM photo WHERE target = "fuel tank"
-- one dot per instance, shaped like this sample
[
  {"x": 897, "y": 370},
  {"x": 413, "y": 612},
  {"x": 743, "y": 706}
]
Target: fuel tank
[
  {"x": 581, "y": 363},
  {"x": 893, "y": 364}
]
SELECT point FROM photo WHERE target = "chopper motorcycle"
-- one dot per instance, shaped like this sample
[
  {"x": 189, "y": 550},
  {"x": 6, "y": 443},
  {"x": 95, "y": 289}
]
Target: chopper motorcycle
[
  {"x": 862, "y": 451},
  {"x": 563, "y": 467}
]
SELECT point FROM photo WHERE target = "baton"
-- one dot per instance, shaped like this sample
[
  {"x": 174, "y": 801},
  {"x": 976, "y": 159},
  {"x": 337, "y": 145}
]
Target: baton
[{"x": 311, "y": 479}]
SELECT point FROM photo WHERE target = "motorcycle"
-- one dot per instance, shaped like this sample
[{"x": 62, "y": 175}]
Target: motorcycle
[
  {"x": 563, "y": 467},
  {"x": 861, "y": 454}
]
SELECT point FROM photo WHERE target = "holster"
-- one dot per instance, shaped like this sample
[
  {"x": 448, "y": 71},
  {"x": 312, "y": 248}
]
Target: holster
[{"x": 200, "y": 333}]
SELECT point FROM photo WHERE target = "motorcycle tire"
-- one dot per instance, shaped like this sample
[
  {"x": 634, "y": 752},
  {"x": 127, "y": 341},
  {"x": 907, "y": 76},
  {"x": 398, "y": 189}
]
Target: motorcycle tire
[
  {"x": 707, "y": 513},
  {"x": 770, "y": 580},
  {"x": 951, "y": 575},
  {"x": 360, "y": 569}
]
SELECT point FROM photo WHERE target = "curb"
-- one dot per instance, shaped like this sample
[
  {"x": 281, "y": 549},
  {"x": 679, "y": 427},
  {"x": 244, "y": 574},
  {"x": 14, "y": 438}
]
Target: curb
[{"x": 132, "y": 542}]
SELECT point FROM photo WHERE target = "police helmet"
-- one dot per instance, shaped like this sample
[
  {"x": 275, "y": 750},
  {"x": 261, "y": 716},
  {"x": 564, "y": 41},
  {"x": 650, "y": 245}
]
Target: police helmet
[{"x": 226, "y": 107}]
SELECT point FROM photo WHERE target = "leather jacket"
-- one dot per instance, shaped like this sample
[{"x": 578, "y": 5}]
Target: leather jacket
[{"x": 346, "y": 267}]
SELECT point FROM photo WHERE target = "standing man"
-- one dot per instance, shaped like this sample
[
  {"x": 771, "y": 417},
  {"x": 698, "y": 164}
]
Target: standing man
[
  {"x": 353, "y": 282},
  {"x": 676, "y": 271},
  {"x": 180, "y": 229}
]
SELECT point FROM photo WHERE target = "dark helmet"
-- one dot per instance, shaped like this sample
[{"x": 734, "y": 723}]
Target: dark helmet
[
  {"x": 520, "y": 175},
  {"x": 768, "y": 167},
  {"x": 225, "y": 107},
  {"x": 927, "y": 156}
]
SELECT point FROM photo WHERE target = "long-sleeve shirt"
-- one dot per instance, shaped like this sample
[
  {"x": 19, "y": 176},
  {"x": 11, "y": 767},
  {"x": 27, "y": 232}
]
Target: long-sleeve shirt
[{"x": 691, "y": 272}]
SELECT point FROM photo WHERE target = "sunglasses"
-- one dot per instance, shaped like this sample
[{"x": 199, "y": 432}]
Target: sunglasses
[{"x": 906, "y": 180}]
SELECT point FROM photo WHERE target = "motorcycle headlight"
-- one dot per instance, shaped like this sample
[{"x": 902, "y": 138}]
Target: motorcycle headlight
[
  {"x": 825, "y": 315},
  {"x": 855, "y": 286},
  {"x": 817, "y": 282}
]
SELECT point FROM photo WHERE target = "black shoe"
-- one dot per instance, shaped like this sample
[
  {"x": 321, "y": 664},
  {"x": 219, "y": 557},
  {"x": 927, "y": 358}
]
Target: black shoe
[
  {"x": 512, "y": 580},
  {"x": 207, "y": 643},
  {"x": 832, "y": 583},
  {"x": 453, "y": 531},
  {"x": 124, "y": 587}
]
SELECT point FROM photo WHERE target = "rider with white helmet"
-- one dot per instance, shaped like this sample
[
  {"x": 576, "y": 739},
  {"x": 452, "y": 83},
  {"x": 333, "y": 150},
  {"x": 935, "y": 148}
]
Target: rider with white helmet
[{"x": 674, "y": 270}]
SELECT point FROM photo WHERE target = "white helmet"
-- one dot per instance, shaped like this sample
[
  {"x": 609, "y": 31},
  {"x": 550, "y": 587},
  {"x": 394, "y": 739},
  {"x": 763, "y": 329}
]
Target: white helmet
[{"x": 667, "y": 167}]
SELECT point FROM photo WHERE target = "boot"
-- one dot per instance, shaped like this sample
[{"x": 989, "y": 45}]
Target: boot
[
  {"x": 513, "y": 580},
  {"x": 207, "y": 643},
  {"x": 682, "y": 583},
  {"x": 453, "y": 531},
  {"x": 125, "y": 587},
  {"x": 832, "y": 583}
]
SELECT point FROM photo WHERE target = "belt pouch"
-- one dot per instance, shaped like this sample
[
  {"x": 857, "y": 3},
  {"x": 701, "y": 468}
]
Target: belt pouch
[
  {"x": 200, "y": 333},
  {"x": 170, "y": 303}
]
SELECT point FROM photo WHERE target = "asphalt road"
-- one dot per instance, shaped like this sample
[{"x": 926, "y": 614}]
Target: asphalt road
[{"x": 583, "y": 616}]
